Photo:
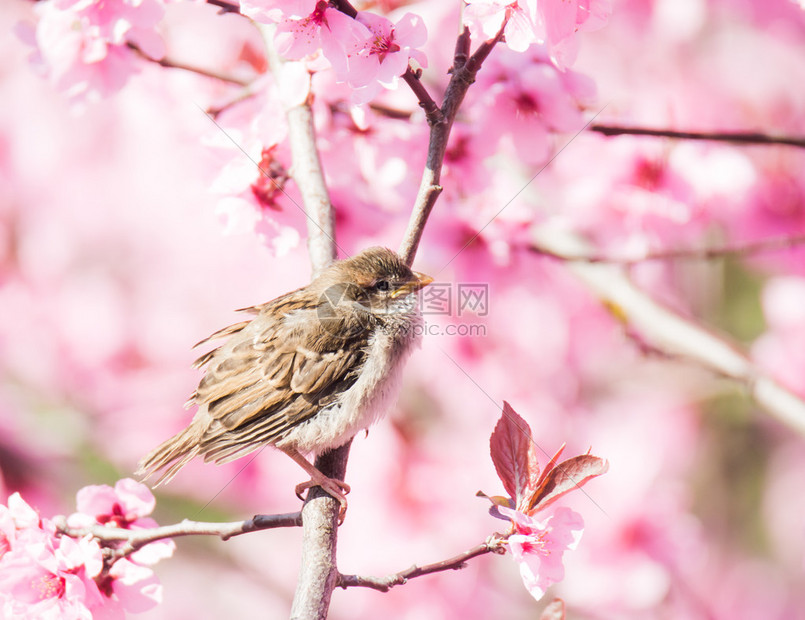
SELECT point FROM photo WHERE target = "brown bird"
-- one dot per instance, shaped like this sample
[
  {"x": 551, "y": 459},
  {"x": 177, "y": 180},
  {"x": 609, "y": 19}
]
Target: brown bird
[{"x": 309, "y": 371}]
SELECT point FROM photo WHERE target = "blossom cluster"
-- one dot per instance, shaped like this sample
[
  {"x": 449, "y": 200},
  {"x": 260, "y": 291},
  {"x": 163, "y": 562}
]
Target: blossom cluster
[
  {"x": 537, "y": 544},
  {"x": 85, "y": 46},
  {"x": 46, "y": 574},
  {"x": 552, "y": 23},
  {"x": 367, "y": 51}
]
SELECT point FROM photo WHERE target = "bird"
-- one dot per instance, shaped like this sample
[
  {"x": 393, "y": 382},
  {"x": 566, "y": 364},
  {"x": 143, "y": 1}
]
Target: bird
[{"x": 310, "y": 370}]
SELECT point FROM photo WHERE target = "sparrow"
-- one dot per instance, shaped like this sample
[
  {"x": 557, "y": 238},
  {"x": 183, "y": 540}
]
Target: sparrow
[{"x": 310, "y": 370}]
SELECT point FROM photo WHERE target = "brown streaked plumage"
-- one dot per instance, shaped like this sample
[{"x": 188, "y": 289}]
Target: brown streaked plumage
[{"x": 310, "y": 370}]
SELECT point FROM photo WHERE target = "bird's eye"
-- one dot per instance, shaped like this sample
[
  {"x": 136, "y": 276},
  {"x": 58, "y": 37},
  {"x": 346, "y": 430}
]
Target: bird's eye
[{"x": 382, "y": 285}]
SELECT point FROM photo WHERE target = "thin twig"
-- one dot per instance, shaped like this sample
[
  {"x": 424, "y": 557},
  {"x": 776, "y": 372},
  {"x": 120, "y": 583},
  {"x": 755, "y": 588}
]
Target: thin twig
[
  {"x": 664, "y": 329},
  {"x": 384, "y": 584},
  {"x": 771, "y": 244},
  {"x": 345, "y": 7},
  {"x": 410, "y": 76},
  {"x": 250, "y": 90},
  {"x": 389, "y": 112},
  {"x": 426, "y": 102},
  {"x": 725, "y": 136},
  {"x": 463, "y": 73},
  {"x": 175, "y": 64},
  {"x": 135, "y": 539},
  {"x": 226, "y": 7}
]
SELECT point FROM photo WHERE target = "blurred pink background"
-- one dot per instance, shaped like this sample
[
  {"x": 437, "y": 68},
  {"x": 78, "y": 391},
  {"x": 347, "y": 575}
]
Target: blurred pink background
[{"x": 115, "y": 259}]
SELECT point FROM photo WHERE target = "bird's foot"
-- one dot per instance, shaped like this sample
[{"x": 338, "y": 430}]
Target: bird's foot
[{"x": 337, "y": 488}]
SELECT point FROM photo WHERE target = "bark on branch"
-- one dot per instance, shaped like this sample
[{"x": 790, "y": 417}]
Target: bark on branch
[
  {"x": 317, "y": 573},
  {"x": 169, "y": 63},
  {"x": 464, "y": 69},
  {"x": 738, "y": 137},
  {"x": 128, "y": 541},
  {"x": 384, "y": 584}
]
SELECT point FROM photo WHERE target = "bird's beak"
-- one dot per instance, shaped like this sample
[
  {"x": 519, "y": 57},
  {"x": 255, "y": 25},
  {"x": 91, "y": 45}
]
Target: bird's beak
[{"x": 420, "y": 281}]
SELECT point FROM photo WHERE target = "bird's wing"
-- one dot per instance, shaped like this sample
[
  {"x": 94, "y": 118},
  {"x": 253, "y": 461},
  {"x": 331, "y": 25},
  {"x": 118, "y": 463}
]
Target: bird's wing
[{"x": 273, "y": 373}]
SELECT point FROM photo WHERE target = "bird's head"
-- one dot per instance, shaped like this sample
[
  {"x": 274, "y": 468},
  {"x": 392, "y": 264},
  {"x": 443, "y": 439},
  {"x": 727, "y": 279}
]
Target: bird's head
[{"x": 374, "y": 283}]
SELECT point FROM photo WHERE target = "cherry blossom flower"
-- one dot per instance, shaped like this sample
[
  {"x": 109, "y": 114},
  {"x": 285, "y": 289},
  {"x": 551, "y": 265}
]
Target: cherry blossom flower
[
  {"x": 525, "y": 22},
  {"x": 44, "y": 574},
  {"x": 538, "y": 546},
  {"x": 126, "y": 506},
  {"x": 19, "y": 525},
  {"x": 368, "y": 52},
  {"x": 562, "y": 19},
  {"x": 322, "y": 28},
  {"x": 82, "y": 45},
  {"x": 485, "y": 19},
  {"x": 385, "y": 55},
  {"x": 251, "y": 177},
  {"x": 524, "y": 98}
]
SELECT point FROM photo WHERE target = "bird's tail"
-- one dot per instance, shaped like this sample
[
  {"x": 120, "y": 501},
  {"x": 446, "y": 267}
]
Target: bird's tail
[{"x": 173, "y": 454}]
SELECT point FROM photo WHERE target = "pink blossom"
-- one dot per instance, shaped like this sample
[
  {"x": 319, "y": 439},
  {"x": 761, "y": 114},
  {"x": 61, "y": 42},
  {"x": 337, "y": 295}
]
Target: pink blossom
[
  {"x": 20, "y": 513},
  {"x": 324, "y": 28},
  {"x": 82, "y": 44},
  {"x": 552, "y": 22},
  {"x": 125, "y": 506},
  {"x": 251, "y": 176},
  {"x": 562, "y": 19},
  {"x": 131, "y": 587},
  {"x": 524, "y": 99},
  {"x": 122, "y": 505},
  {"x": 384, "y": 56},
  {"x": 45, "y": 576},
  {"x": 19, "y": 523},
  {"x": 538, "y": 546},
  {"x": 368, "y": 52},
  {"x": 485, "y": 19}
]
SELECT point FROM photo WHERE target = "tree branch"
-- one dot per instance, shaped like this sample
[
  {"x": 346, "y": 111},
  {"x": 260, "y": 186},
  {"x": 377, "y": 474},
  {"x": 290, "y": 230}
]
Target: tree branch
[
  {"x": 426, "y": 102},
  {"x": 464, "y": 69},
  {"x": 136, "y": 539},
  {"x": 384, "y": 584},
  {"x": 175, "y": 64},
  {"x": 733, "y": 137},
  {"x": 410, "y": 76},
  {"x": 318, "y": 573},
  {"x": 252, "y": 89},
  {"x": 745, "y": 249},
  {"x": 306, "y": 170},
  {"x": 669, "y": 332}
]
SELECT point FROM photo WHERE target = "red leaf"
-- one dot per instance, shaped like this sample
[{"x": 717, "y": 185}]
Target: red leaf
[
  {"x": 514, "y": 456},
  {"x": 566, "y": 476},
  {"x": 551, "y": 464},
  {"x": 554, "y": 611}
]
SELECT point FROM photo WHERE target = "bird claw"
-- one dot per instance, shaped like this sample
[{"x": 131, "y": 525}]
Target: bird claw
[{"x": 337, "y": 488}]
